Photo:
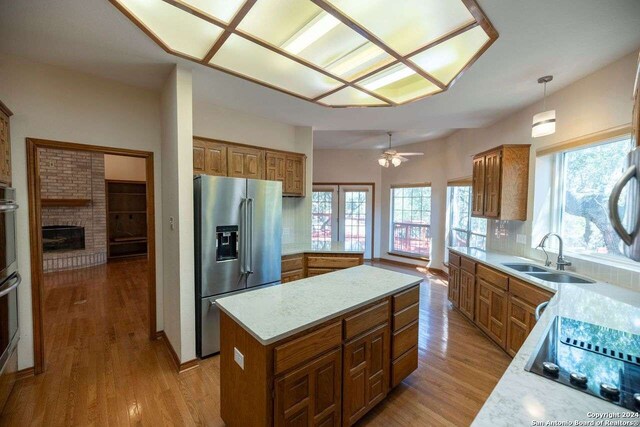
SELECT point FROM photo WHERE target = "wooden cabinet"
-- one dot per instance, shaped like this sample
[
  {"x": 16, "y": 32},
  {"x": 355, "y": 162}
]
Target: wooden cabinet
[
  {"x": 294, "y": 175},
  {"x": 209, "y": 158},
  {"x": 500, "y": 183},
  {"x": 467, "y": 288},
  {"x": 453, "y": 286},
  {"x": 310, "y": 395},
  {"x": 5, "y": 145},
  {"x": 365, "y": 374},
  {"x": 275, "y": 167},
  {"x": 299, "y": 266},
  {"x": 491, "y": 304},
  {"x": 220, "y": 158},
  {"x": 404, "y": 339},
  {"x": 521, "y": 312},
  {"x": 245, "y": 162},
  {"x": 292, "y": 268}
]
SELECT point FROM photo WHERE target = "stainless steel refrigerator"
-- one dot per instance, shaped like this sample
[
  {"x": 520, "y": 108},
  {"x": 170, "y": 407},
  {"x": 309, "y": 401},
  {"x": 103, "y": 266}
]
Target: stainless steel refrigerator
[{"x": 238, "y": 232}]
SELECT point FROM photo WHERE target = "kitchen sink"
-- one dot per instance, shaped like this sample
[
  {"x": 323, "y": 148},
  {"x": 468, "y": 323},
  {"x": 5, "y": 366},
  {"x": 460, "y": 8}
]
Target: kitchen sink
[
  {"x": 526, "y": 268},
  {"x": 559, "y": 277}
]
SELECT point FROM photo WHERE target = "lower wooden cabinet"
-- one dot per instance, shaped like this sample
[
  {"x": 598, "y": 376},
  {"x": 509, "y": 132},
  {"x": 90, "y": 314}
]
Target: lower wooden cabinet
[
  {"x": 521, "y": 318},
  {"x": 365, "y": 373},
  {"x": 299, "y": 266},
  {"x": 310, "y": 395},
  {"x": 467, "y": 294},
  {"x": 491, "y": 311},
  {"x": 453, "y": 290}
]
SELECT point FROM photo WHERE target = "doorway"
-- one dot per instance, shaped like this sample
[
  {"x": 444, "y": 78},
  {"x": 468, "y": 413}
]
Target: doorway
[
  {"x": 76, "y": 225},
  {"x": 343, "y": 212}
]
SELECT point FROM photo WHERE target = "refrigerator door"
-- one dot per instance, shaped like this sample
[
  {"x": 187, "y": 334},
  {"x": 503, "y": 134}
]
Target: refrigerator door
[
  {"x": 264, "y": 218},
  {"x": 628, "y": 226},
  {"x": 208, "y": 327},
  {"x": 220, "y": 222}
]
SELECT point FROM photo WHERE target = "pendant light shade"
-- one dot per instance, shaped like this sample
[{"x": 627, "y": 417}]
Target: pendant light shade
[
  {"x": 383, "y": 162},
  {"x": 544, "y": 123},
  {"x": 396, "y": 162}
]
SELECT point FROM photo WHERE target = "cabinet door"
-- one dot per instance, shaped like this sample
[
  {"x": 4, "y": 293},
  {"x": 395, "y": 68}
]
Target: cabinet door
[
  {"x": 453, "y": 291},
  {"x": 310, "y": 395},
  {"x": 521, "y": 318},
  {"x": 365, "y": 374},
  {"x": 5, "y": 150},
  {"x": 245, "y": 162},
  {"x": 493, "y": 171},
  {"x": 275, "y": 166},
  {"x": 477, "y": 187},
  {"x": 209, "y": 158},
  {"x": 467, "y": 293},
  {"x": 294, "y": 175},
  {"x": 491, "y": 311}
]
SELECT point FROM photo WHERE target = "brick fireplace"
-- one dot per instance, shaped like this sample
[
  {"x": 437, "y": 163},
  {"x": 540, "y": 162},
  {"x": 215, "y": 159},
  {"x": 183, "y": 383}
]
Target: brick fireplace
[{"x": 72, "y": 187}]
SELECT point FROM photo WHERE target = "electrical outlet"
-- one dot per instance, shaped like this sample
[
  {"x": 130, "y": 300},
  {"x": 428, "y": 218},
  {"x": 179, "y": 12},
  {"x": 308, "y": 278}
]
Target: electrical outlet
[
  {"x": 521, "y": 239},
  {"x": 238, "y": 357}
]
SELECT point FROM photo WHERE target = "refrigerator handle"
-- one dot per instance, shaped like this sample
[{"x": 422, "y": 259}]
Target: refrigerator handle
[
  {"x": 243, "y": 232},
  {"x": 614, "y": 216},
  {"x": 250, "y": 235}
]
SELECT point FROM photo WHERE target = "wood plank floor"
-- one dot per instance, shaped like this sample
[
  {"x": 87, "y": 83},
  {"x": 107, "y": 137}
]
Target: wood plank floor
[{"x": 103, "y": 370}]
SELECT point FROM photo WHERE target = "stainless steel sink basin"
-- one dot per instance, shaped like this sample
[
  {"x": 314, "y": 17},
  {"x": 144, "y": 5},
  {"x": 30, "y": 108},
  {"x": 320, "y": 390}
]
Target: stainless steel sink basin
[
  {"x": 526, "y": 268},
  {"x": 559, "y": 277}
]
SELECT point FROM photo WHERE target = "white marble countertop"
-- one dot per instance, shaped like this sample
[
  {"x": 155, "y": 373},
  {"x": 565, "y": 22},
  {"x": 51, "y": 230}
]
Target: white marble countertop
[
  {"x": 273, "y": 313},
  {"x": 317, "y": 247},
  {"x": 521, "y": 397}
]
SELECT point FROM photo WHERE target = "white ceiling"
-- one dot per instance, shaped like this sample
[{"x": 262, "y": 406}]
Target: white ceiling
[{"x": 566, "y": 38}]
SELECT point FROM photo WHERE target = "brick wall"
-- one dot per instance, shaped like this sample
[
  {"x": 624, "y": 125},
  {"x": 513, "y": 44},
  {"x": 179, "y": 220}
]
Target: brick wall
[{"x": 67, "y": 174}]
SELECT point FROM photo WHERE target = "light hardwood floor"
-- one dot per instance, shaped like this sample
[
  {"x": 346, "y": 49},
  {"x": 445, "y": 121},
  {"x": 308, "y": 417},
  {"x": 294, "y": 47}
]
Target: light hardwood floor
[{"x": 103, "y": 370}]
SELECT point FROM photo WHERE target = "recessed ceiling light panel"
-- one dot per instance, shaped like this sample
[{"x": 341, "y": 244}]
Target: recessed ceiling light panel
[{"x": 332, "y": 52}]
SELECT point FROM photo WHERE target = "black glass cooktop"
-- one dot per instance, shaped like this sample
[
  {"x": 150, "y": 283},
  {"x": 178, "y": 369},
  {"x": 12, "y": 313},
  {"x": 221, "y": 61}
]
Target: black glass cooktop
[{"x": 596, "y": 360}]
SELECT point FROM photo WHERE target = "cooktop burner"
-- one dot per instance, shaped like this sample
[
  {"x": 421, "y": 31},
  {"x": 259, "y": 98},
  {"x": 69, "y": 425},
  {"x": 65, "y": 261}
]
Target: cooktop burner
[{"x": 596, "y": 360}]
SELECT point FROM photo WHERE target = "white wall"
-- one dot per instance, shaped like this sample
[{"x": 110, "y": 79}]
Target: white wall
[
  {"x": 211, "y": 121},
  {"x": 353, "y": 166},
  {"x": 57, "y": 104},
  {"x": 177, "y": 229},
  {"x": 597, "y": 102},
  {"x": 124, "y": 168}
]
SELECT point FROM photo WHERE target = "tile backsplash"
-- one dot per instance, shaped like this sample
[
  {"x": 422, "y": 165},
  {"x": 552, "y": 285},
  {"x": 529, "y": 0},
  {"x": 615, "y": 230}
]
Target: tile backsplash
[{"x": 502, "y": 236}]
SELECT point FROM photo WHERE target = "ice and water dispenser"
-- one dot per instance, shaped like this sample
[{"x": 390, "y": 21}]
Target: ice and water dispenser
[{"x": 226, "y": 242}]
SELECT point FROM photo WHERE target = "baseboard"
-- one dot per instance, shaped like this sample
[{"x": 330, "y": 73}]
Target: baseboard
[
  {"x": 180, "y": 366},
  {"x": 25, "y": 373},
  {"x": 435, "y": 271}
]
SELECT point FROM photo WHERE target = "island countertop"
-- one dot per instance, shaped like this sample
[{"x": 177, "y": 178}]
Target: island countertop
[
  {"x": 277, "y": 312},
  {"x": 318, "y": 248}
]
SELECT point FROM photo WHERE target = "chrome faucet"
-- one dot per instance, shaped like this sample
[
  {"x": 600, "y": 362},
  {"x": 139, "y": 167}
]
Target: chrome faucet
[{"x": 561, "y": 263}]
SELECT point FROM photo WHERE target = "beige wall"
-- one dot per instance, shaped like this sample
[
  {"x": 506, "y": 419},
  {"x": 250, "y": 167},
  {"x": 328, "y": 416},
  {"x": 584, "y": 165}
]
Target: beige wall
[
  {"x": 124, "y": 168},
  {"x": 57, "y": 104},
  {"x": 597, "y": 102},
  {"x": 216, "y": 122}
]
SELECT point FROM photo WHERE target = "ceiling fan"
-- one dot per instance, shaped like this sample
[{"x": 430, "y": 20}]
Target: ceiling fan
[{"x": 392, "y": 157}]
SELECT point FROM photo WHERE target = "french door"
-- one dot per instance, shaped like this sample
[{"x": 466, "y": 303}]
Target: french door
[{"x": 344, "y": 213}]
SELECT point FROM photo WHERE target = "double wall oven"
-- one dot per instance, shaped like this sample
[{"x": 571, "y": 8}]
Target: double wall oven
[{"x": 9, "y": 281}]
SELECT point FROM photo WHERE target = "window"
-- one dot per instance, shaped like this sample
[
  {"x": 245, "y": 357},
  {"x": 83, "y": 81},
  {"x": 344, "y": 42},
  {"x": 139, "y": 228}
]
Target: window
[
  {"x": 582, "y": 182},
  {"x": 411, "y": 220},
  {"x": 464, "y": 230},
  {"x": 321, "y": 211}
]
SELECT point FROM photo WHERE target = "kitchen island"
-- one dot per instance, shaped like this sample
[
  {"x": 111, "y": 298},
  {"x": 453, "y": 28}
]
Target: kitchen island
[{"x": 318, "y": 351}]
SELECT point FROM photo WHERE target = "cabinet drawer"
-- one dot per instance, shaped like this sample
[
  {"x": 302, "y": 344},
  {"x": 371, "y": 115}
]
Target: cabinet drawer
[
  {"x": 332, "y": 262},
  {"x": 366, "y": 319},
  {"x": 529, "y": 293},
  {"x": 318, "y": 271},
  {"x": 404, "y": 339},
  {"x": 493, "y": 277},
  {"x": 406, "y": 298},
  {"x": 290, "y": 276},
  {"x": 293, "y": 353},
  {"x": 468, "y": 265},
  {"x": 454, "y": 259},
  {"x": 403, "y": 366},
  {"x": 292, "y": 262},
  {"x": 406, "y": 316}
]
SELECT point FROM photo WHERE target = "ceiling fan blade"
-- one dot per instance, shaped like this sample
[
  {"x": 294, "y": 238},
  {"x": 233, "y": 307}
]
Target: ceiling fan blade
[
  {"x": 410, "y": 154},
  {"x": 404, "y": 159}
]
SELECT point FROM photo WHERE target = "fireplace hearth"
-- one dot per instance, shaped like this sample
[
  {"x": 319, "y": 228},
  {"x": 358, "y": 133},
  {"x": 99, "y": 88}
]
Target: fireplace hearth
[{"x": 62, "y": 238}]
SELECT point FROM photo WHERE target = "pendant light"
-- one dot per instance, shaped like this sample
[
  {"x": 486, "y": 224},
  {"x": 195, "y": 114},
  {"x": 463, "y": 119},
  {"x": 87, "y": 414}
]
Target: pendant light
[{"x": 544, "y": 123}]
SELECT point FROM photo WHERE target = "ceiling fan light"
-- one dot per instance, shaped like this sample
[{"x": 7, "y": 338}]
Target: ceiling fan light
[
  {"x": 396, "y": 162},
  {"x": 544, "y": 124},
  {"x": 383, "y": 162}
]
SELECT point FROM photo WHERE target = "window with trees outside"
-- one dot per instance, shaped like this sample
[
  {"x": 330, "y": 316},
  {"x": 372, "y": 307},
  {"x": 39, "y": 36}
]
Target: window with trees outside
[
  {"x": 411, "y": 220},
  {"x": 584, "y": 179},
  {"x": 321, "y": 211},
  {"x": 464, "y": 230}
]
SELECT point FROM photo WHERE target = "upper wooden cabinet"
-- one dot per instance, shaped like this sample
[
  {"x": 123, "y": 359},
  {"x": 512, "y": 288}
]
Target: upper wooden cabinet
[
  {"x": 5, "y": 145},
  {"x": 220, "y": 158},
  {"x": 209, "y": 158},
  {"x": 501, "y": 183}
]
